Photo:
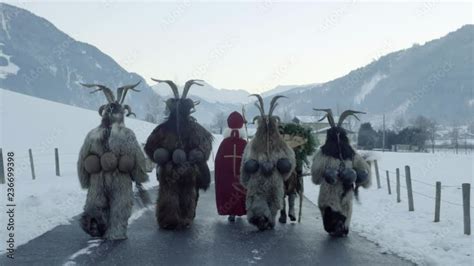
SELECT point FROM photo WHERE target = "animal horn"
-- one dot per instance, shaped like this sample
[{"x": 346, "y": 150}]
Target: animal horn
[
  {"x": 188, "y": 85},
  {"x": 259, "y": 105},
  {"x": 328, "y": 115},
  {"x": 129, "y": 109},
  {"x": 347, "y": 113},
  {"x": 107, "y": 92},
  {"x": 173, "y": 86},
  {"x": 273, "y": 103},
  {"x": 101, "y": 109},
  {"x": 122, "y": 91}
]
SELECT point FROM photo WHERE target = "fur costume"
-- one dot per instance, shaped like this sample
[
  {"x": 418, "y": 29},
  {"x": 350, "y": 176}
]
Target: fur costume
[
  {"x": 267, "y": 162},
  {"x": 181, "y": 148},
  {"x": 230, "y": 195},
  {"x": 301, "y": 140},
  {"x": 109, "y": 160},
  {"x": 339, "y": 170}
]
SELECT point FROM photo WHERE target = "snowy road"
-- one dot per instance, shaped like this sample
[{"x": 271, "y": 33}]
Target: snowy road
[{"x": 210, "y": 241}]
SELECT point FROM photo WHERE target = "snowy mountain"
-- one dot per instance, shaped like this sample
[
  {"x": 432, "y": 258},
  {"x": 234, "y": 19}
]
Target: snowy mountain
[
  {"x": 434, "y": 79},
  {"x": 284, "y": 88},
  {"x": 38, "y": 59}
]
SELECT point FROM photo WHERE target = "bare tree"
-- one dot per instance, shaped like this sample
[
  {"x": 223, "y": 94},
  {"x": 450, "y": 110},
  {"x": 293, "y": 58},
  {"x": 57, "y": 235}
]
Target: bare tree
[
  {"x": 219, "y": 122},
  {"x": 399, "y": 124}
]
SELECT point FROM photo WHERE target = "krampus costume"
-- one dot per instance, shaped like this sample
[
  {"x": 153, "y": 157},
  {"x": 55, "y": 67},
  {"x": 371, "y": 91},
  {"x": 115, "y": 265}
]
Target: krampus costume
[
  {"x": 230, "y": 195},
  {"x": 340, "y": 170},
  {"x": 301, "y": 140},
  {"x": 180, "y": 147},
  {"x": 109, "y": 160},
  {"x": 267, "y": 162}
]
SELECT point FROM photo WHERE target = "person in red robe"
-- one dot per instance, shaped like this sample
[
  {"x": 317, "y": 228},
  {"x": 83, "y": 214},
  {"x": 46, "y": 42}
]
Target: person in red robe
[{"x": 230, "y": 194}]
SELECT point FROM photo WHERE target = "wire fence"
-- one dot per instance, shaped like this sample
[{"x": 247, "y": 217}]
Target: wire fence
[{"x": 438, "y": 188}]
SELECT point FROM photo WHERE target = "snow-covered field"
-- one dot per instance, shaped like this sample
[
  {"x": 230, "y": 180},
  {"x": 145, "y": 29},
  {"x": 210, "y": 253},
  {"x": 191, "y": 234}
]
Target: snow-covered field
[
  {"x": 49, "y": 200},
  {"x": 414, "y": 235}
]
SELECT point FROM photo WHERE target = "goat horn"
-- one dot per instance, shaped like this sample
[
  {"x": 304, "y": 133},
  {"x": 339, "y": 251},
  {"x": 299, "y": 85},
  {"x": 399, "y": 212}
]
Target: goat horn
[
  {"x": 129, "y": 109},
  {"x": 172, "y": 85},
  {"x": 197, "y": 102},
  {"x": 260, "y": 101},
  {"x": 108, "y": 92},
  {"x": 273, "y": 103},
  {"x": 122, "y": 91},
  {"x": 328, "y": 115},
  {"x": 188, "y": 85},
  {"x": 101, "y": 109},
  {"x": 347, "y": 113}
]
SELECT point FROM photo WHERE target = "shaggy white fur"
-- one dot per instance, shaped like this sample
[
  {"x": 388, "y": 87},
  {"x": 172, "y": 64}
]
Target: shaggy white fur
[
  {"x": 109, "y": 197},
  {"x": 331, "y": 195}
]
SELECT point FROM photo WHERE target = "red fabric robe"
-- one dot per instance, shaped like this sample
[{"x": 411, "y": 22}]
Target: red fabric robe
[{"x": 230, "y": 195}]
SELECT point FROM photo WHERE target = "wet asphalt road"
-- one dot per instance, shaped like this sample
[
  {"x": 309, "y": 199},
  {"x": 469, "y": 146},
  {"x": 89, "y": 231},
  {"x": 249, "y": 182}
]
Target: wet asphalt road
[{"x": 212, "y": 240}]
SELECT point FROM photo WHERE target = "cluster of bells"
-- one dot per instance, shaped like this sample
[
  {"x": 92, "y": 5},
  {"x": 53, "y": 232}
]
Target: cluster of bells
[
  {"x": 283, "y": 165},
  {"x": 162, "y": 156},
  {"x": 108, "y": 162},
  {"x": 347, "y": 176}
]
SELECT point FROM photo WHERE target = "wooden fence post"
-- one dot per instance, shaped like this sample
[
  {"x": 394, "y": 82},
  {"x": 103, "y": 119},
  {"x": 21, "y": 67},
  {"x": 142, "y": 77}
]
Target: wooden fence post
[
  {"x": 466, "y": 199},
  {"x": 388, "y": 184},
  {"x": 32, "y": 164},
  {"x": 398, "y": 185},
  {"x": 2, "y": 169},
  {"x": 411, "y": 206},
  {"x": 437, "y": 202},
  {"x": 56, "y": 156},
  {"x": 377, "y": 174}
]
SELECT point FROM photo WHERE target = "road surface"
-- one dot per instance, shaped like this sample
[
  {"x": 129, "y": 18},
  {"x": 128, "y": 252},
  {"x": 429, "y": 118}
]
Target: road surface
[{"x": 212, "y": 240}]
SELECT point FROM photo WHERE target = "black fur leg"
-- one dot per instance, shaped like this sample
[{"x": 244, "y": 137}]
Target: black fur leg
[
  {"x": 282, "y": 218},
  {"x": 204, "y": 178},
  {"x": 261, "y": 222},
  {"x": 93, "y": 226},
  {"x": 334, "y": 223}
]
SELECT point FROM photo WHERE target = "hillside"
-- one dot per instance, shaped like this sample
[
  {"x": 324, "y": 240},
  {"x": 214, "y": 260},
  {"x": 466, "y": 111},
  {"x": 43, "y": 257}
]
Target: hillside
[
  {"x": 434, "y": 79},
  {"x": 40, "y": 60}
]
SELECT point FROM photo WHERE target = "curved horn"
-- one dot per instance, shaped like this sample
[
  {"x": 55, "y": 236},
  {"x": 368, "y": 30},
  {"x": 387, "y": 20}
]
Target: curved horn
[
  {"x": 173, "y": 86},
  {"x": 108, "y": 92},
  {"x": 101, "y": 109},
  {"x": 347, "y": 113},
  {"x": 273, "y": 103},
  {"x": 255, "y": 118},
  {"x": 129, "y": 109},
  {"x": 328, "y": 115},
  {"x": 122, "y": 91},
  {"x": 261, "y": 106},
  {"x": 188, "y": 85},
  {"x": 196, "y": 102}
]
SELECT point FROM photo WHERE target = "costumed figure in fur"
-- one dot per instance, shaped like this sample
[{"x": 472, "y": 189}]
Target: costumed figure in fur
[
  {"x": 303, "y": 144},
  {"x": 340, "y": 171},
  {"x": 230, "y": 195},
  {"x": 181, "y": 148},
  {"x": 109, "y": 160},
  {"x": 267, "y": 162}
]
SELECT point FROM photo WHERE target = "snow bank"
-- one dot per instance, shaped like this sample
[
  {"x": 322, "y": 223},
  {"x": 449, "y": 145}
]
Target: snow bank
[
  {"x": 414, "y": 235},
  {"x": 29, "y": 122}
]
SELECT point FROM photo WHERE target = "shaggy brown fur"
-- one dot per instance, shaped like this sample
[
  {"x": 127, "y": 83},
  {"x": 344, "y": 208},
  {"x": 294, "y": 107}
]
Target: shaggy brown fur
[
  {"x": 265, "y": 193},
  {"x": 180, "y": 183}
]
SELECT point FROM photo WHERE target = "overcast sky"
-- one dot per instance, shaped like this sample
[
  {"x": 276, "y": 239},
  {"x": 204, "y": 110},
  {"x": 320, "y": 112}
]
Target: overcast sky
[{"x": 250, "y": 45}]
